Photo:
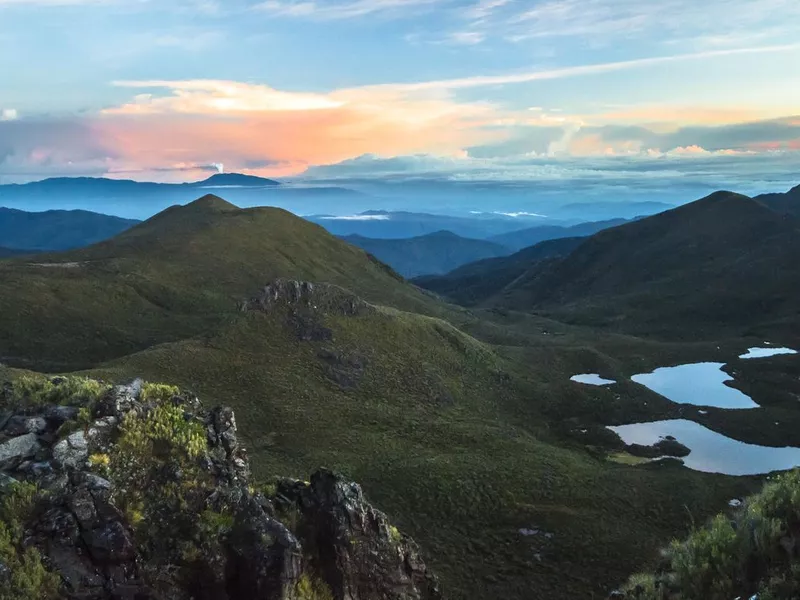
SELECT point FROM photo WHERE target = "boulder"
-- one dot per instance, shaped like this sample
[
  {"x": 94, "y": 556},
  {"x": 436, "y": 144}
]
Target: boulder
[
  {"x": 73, "y": 451},
  {"x": 20, "y": 425},
  {"x": 15, "y": 450}
]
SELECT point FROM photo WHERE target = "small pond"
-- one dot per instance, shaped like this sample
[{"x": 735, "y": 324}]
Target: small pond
[
  {"x": 766, "y": 352},
  {"x": 712, "y": 452},
  {"x": 591, "y": 379},
  {"x": 701, "y": 384}
]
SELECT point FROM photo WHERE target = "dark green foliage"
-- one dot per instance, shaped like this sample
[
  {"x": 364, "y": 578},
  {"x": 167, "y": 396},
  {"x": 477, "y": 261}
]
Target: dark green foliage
[
  {"x": 22, "y": 574},
  {"x": 753, "y": 551},
  {"x": 724, "y": 264}
]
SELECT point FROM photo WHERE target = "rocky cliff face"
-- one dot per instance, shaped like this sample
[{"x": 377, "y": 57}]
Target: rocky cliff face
[{"x": 137, "y": 492}]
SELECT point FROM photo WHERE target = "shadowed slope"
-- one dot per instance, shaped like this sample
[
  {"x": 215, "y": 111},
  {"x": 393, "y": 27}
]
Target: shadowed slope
[
  {"x": 434, "y": 253},
  {"x": 723, "y": 261}
]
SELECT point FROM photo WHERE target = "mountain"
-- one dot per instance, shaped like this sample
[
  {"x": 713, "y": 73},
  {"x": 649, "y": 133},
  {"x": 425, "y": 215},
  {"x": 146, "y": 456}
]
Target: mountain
[
  {"x": 401, "y": 224},
  {"x": 7, "y": 252},
  {"x": 234, "y": 180},
  {"x": 434, "y": 253},
  {"x": 476, "y": 282},
  {"x": 524, "y": 238},
  {"x": 178, "y": 274},
  {"x": 788, "y": 203},
  {"x": 140, "y": 200},
  {"x": 726, "y": 261},
  {"x": 57, "y": 229},
  {"x": 603, "y": 211},
  {"x": 463, "y": 426}
]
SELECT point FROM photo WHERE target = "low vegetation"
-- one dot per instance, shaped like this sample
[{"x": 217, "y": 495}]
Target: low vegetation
[
  {"x": 752, "y": 553},
  {"x": 23, "y": 576}
]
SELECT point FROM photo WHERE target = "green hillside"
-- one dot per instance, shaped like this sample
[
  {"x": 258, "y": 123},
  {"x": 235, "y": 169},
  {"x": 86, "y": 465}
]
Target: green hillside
[
  {"x": 723, "y": 264},
  {"x": 182, "y": 272},
  {"x": 331, "y": 359}
]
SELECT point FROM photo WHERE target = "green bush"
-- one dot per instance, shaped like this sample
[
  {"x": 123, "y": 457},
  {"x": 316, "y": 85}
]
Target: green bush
[
  {"x": 27, "y": 577},
  {"x": 31, "y": 391},
  {"x": 751, "y": 552}
]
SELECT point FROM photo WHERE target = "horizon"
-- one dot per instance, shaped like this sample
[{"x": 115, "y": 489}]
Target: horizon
[{"x": 591, "y": 96}]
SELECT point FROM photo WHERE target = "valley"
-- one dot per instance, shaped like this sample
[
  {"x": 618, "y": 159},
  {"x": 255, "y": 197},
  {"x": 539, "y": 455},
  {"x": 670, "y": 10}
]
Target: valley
[{"x": 462, "y": 423}]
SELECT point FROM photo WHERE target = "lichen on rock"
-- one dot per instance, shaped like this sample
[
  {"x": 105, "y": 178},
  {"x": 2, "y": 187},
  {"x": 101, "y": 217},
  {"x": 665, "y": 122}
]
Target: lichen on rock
[{"x": 141, "y": 493}]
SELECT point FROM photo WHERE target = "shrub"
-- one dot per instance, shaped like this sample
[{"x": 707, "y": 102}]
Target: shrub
[
  {"x": 748, "y": 553},
  {"x": 27, "y": 577},
  {"x": 30, "y": 391},
  {"x": 312, "y": 588}
]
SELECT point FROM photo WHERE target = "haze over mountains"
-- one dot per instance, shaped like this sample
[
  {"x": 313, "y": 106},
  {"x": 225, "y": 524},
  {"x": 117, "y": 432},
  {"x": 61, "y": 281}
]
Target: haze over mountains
[{"x": 139, "y": 200}]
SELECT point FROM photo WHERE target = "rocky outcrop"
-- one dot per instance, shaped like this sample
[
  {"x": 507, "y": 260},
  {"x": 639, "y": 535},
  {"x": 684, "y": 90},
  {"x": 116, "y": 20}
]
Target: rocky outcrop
[
  {"x": 145, "y": 495},
  {"x": 319, "y": 297}
]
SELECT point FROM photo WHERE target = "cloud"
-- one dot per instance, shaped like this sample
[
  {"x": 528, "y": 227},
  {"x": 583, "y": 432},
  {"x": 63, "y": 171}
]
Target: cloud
[
  {"x": 211, "y": 96},
  {"x": 582, "y": 70},
  {"x": 338, "y": 9},
  {"x": 8, "y": 114}
]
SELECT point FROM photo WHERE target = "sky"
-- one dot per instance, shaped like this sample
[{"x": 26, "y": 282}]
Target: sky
[{"x": 456, "y": 90}]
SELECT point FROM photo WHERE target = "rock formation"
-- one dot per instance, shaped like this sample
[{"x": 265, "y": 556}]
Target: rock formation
[{"x": 137, "y": 492}]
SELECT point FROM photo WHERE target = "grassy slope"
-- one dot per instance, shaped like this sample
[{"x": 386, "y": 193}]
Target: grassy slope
[
  {"x": 438, "y": 252},
  {"x": 463, "y": 444},
  {"x": 178, "y": 274},
  {"x": 462, "y": 471},
  {"x": 705, "y": 267}
]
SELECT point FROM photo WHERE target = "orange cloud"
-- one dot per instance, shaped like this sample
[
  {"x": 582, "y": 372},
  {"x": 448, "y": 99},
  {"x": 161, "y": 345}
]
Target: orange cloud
[{"x": 281, "y": 133}]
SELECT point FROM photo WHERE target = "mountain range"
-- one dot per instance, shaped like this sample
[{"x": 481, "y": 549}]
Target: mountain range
[
  {"x": 57, "y": 229},
  {"x": 721, "y": 261},
  {"x": 462, "y": 424},
  {"x": 433, "y": 253}
]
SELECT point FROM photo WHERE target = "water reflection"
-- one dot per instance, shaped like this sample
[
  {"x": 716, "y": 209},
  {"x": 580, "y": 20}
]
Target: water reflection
[
  {"x": 712, "y": 452},
  {"x": 701, "y": 384}
]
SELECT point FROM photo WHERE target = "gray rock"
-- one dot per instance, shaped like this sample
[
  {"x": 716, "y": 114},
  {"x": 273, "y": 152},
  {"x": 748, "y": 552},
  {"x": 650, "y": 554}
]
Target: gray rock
[
  {"x": 20, "y": 425},
  {"x": 73, "y": 451},
  {"x": 60, "y": 414},
  {"x": 17, "y": 449}
]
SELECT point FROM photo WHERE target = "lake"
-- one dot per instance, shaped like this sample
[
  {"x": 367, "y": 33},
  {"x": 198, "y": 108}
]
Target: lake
[
  {"x": 700, "y": 384},
  {"x": 591, "y": 379},
  {"x": 712, "y": 452}
]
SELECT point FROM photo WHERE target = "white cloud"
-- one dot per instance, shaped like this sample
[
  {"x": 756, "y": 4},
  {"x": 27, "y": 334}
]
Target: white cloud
[
  {"x": 338, "y": 9},
  {"x": 8, "y": 114}
]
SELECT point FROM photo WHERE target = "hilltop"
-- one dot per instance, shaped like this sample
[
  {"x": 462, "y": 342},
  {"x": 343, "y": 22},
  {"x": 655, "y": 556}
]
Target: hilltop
[
  {"x": 57, "y": 229},
  {"x": 175, "y": 275},
  {"x": 725, "y": 261},
  {"x": 788, "y": 203},
  {"x": 234, "y": 180},
  {"x": 438, "y": 252}
]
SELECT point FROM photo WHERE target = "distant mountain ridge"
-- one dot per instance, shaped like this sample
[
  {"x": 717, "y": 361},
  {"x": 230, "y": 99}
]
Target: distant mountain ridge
[
  {"x": 524, "y": 238},
  {"x": 476, "y": 282},
  {"x": 788, "y": 203},
  {"x": 434, "y": 253},
  {"x": 57, "y": 229}
]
